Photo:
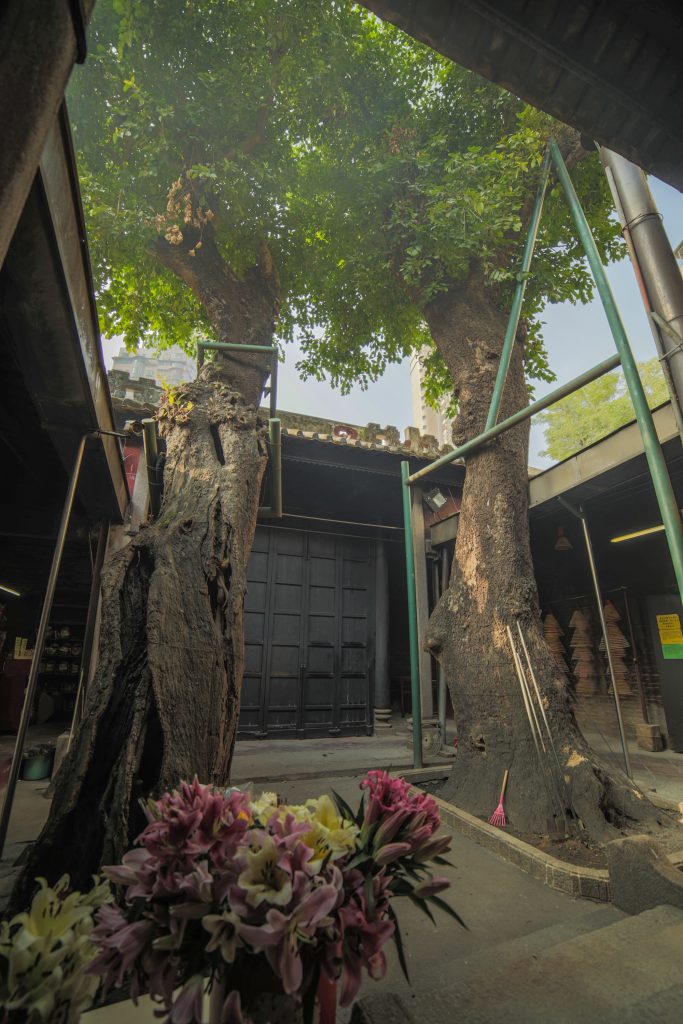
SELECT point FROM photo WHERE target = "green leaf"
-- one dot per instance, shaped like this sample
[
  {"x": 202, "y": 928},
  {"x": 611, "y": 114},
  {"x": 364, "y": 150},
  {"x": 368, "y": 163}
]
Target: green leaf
[
  {"x": 447, "y": 909},
  {"x": 423, "y": 906},
  {"x": 398, "y": 940},
  {"x": 343, "y": 807}
]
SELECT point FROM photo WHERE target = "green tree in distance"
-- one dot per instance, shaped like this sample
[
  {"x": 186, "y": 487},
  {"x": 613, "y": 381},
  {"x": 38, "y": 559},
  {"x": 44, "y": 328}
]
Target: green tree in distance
[{"x": 597, "y": 409}]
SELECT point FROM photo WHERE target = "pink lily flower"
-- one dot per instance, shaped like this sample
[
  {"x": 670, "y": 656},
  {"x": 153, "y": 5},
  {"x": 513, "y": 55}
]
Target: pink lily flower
[
  {"x": 362, "y": 944},
  {"x": 187, "y": 1008},
  {"x": 232, "y": 1010},
  {"x": 120, "y": 943},
  {"x": 282, "y": 934}
]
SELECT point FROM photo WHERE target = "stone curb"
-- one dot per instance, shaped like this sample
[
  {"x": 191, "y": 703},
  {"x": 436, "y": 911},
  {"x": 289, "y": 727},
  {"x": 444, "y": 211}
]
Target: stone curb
[
  {"x": 586, "y": 883},
  {"x": 437, "y": 770}
]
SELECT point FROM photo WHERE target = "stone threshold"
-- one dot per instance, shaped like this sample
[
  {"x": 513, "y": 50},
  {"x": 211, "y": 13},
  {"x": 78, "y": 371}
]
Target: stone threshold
[{"x": 584, "y": 883}]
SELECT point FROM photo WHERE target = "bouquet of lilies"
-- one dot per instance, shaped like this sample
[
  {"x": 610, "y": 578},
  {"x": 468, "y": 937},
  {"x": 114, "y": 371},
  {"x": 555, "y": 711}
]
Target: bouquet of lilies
[
  {"x": 223, "y": 887},
  {"x": 45, "y": 954},
  {"x": 231, "y": 895}
]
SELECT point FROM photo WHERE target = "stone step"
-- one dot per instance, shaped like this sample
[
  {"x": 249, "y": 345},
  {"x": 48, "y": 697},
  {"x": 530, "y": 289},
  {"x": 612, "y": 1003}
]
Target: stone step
[
  {"x": 481, "y": 960},
  {"x": 628, "y": 971}
]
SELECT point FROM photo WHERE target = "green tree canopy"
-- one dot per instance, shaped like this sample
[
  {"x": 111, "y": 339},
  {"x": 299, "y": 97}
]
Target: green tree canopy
[
  {"x": 374, "y": 170},
  {"x": 220, "y": 99},
  {"x": 400, "y": 205},
  {"x": 597, "y": 409}
]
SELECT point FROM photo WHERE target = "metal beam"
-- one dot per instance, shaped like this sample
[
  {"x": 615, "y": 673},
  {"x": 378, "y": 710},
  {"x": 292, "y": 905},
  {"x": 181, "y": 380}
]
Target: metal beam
[
  {"x": 90, "y": 624},
  {"x": 412, "y": 618},
  {"x": 275, "y": 441},
  {"x": 518, "y": 297},
  {"x": 524, "y": 414},
  {"x": 671, "y": 517},
  {"x": 654, "y": 264},
  {"x": 580, "y": 514},
  {"x": 149, "y": 435},
  {"x": 421, "y": 602}
]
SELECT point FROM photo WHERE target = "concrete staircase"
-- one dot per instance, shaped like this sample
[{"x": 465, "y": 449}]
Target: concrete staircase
[{"x": 600, "y": 968}]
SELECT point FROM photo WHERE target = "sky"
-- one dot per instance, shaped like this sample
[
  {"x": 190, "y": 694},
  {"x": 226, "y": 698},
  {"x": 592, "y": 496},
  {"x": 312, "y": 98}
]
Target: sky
[{"x": 576, "y": 337}]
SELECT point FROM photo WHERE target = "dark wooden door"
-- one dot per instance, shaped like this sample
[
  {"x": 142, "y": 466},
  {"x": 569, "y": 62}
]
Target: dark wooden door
[{"x": 309, "y": 630}]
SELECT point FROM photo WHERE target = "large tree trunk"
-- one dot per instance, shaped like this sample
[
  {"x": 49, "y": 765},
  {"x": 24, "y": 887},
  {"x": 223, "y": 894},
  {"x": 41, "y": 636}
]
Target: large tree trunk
[
  {"x": 492, "y": 585},
  {"x": 165, "y": 699}
]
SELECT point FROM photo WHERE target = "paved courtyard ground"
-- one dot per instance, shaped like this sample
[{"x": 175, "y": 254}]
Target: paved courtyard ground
[
  {"x": 508, "y": 913},
  {"x": 269, "y": 762}
]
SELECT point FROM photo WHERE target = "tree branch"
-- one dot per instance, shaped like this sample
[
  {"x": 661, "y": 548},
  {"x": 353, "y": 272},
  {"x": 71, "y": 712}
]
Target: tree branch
[{"x": 256, "y": 137}]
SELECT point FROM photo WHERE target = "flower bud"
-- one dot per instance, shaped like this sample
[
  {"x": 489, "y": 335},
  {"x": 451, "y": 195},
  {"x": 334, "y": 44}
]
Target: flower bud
[
  {"x": 430, "y": 887},
  {"x": 391, "y": 852}
]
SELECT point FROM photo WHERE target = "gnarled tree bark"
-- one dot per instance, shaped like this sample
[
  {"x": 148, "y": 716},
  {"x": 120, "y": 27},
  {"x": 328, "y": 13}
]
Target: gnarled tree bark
[
  {"x": 165, "y": 699},
  {"x": 492, "y": 585}
]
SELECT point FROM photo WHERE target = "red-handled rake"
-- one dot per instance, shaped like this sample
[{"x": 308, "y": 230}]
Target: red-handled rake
[{"x": 498, "y": 816}]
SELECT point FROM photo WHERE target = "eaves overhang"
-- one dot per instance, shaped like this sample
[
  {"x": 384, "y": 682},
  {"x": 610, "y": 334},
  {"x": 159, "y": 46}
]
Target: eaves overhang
[
  {"x": 50, "y": 321},
  {"x": 603, "y": 467},
  {"x": 610, "y": 68}
]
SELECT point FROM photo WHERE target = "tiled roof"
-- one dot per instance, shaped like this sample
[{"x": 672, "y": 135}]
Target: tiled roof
[{"x": 414, "y": 445}]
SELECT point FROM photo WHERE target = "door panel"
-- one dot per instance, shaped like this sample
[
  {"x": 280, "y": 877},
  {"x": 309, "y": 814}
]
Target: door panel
[{"x": 308, "y": 635}]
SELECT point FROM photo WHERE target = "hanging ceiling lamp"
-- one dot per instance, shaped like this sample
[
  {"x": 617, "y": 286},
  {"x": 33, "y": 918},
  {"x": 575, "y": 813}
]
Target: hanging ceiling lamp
[{"x": 562, "y": 543}]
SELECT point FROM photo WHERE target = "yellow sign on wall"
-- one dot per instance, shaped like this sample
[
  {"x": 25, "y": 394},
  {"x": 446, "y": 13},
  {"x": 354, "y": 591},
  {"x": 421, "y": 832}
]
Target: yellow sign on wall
[{"x": 670, "y": 636}]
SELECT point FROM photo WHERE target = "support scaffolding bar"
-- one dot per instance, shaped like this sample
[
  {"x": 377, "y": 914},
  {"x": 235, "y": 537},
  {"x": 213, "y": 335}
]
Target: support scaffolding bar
[
  {"x": 518, "y": 297},
  {"x": 671, "y": 517},
  {"x": 270, "y": 351},
  {"x": 412, "y": 619},
  {"x": 275, "y": 445},
  {"x": 524, "y": 414},
  {"x": 668, "y": 505},
  {"x": 580, "y": 514}
]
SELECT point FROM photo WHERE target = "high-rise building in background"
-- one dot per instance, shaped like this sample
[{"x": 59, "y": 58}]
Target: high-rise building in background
[
  {"x": 171, "y": 367},
  {"x": 428, "y": 420}
]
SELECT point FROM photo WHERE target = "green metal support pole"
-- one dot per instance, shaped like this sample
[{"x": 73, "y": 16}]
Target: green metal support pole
[
  {"x": 412, "y": 618},
  {"x": 671, "y": 517},
  {"x": 518, "y": 417},
  {"x": 274, "y": 510},
  {"x": 518, "y": 298},
  {"x": 231, "y": 346}
]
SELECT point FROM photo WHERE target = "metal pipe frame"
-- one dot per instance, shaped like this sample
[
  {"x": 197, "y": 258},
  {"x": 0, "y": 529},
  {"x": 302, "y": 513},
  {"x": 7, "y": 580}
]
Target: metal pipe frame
[
  {"x": 31, "y": 686},
  {"x": 518, "y": 297},
  {"x": 442, "y": 675},
  {"x": 661, "y": 481},
  {"x": 149, "y": 437},
  {"x": 236, "y": 346},
  {"x": 524, "y": 414},
  {"x": 580, "y": 514},
  {"x": 89, "y": 636},
  {"x": 551, "y": 784},
  {"x": 671, "y": 516},
  {"x": 654, "y": 264},
  {"x": 275, "y": 442},
  {"x": 412, "y": 618}
]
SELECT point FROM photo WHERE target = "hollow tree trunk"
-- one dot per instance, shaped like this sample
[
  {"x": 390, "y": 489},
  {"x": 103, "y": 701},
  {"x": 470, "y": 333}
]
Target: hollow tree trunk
[
  {"x": 164, "y": 702},
  {"x": 492, "y": 584}
]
